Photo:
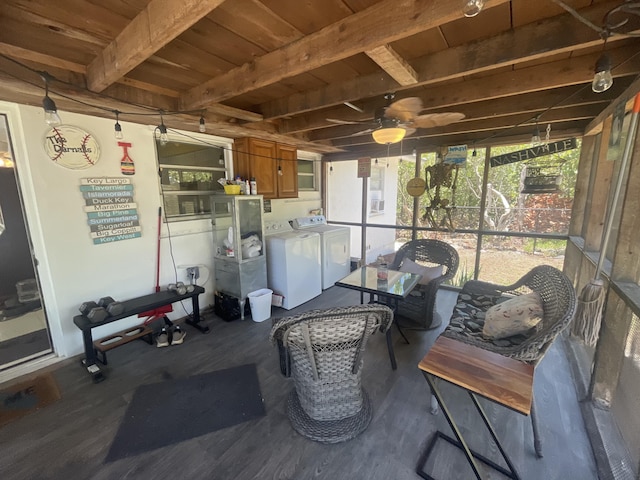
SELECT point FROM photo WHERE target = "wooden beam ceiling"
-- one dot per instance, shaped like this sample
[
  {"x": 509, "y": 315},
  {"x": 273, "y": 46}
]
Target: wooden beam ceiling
[
  {"x": 527, "y": 43},
  {"x": 391, "y": 62},
  {"x": 377, "y": 25},
  {"x": 158, "y": 24}
]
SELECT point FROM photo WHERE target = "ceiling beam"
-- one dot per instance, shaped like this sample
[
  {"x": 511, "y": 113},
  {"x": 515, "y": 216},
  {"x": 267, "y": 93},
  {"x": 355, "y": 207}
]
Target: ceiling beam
[
  {"x": 382, "y": 23},
  {"x": 529, "y": 42},
  {"x": 159, "y": 23},
  {"x": 391, "y": 62}
]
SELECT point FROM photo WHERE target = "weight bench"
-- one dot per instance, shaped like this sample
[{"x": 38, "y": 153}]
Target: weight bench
[{"x": 118, "y": 339}]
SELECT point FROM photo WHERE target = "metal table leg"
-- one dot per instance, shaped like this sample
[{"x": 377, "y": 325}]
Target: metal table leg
[{"x": 459, "y": 441}]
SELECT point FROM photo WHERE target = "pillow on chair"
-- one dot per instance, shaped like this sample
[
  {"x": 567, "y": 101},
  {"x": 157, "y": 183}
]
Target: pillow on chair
[
  {"x": 428, "y": 273},
  {"x": 514, "y": 316}
]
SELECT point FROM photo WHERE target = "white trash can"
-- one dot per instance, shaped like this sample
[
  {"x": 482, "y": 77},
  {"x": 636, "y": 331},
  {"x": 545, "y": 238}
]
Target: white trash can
[{"x": 260, "y": 302}]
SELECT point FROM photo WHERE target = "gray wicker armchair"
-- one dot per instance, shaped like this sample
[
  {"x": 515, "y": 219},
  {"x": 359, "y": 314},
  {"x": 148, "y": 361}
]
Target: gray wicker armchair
[
  {"x": 322, "y": 350},
  {"x": 418, "y": 309},
  {"x": 559, "y": 303}
]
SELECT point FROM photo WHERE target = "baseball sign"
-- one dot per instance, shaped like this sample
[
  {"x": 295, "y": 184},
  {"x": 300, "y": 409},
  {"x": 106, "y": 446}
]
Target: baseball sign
[{"x": 72, "y": 147}]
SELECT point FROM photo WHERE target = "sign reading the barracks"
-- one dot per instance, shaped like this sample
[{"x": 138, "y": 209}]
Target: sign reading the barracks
[{"x": 534, "y": 152}]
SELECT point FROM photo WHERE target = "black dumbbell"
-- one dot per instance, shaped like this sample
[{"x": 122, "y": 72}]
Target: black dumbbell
[
  {"x": 93, "y": 311},
  {"x": 113, "y": 308},
  {"x": 179, "y": 287}
]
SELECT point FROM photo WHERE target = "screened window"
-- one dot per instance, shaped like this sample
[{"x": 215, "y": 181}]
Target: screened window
[
  {"x": 376, "y": 190},
  {"x": 307, "y": 175}
]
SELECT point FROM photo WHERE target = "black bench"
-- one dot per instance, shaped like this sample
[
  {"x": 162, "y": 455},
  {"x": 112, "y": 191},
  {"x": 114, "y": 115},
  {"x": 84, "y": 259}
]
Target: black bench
[{"x": 133, "y": 307}]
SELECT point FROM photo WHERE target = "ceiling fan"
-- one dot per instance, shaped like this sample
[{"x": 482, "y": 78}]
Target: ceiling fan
[{"x": 401, "y": 118}]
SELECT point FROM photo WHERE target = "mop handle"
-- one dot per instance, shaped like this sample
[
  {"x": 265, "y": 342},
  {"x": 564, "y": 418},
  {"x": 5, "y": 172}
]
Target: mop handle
[
  {"x": 623, "y": 167},
  {"x": 158, "y": 250}
]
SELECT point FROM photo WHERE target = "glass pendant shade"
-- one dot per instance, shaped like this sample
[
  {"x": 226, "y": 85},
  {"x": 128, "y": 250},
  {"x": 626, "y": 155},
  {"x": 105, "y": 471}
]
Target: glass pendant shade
[
  {"x": 202, "y": 128},
  {"x": 385, "y": 136},
  {"x": 164, "y": 138},
  {"x": 472, "y": 7},
  {"x": 50, "y": 111},
  {"x": 602, "y": 80},
  {"x": 118, "y": 131}
]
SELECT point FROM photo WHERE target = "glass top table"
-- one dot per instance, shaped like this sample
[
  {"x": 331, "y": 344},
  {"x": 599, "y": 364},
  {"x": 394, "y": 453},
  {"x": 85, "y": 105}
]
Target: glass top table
[
  {"x": 396, "y": 287},
  {"x": 365, "y": 279}
]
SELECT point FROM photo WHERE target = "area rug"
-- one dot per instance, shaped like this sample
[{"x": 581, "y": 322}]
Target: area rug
[
  {"x": 165, "y": 413},
  {"x": 26, "y": 397}
]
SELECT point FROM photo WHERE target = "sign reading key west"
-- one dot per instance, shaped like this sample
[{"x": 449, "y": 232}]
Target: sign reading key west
[{"x": 112, "y": 214}]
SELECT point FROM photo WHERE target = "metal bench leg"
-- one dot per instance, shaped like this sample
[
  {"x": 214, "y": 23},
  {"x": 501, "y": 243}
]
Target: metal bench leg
[{"x": 537, "y": 442}]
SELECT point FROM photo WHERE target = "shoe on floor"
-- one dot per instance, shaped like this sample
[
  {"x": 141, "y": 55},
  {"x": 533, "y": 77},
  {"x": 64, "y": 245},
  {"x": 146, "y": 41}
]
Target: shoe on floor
[
  {"x": 178, "y": 336},
  {"x": 163, "y": 338}
]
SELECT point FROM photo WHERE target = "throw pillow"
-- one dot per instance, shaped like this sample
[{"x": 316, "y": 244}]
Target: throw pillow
[
  {"x": 428, "y": 273},
  {"x": 514, "y": 316}
]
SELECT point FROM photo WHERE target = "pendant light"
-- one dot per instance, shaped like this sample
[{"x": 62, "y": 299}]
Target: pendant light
[
  {"x": 472, "y": 8},
  {"x": 50, "y": 110}
]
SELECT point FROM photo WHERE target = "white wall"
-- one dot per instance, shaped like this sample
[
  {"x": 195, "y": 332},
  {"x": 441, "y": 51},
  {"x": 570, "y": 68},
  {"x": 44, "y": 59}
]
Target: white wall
[
  {"x": 344, "y": 204},
  {"x": 71, "y": 268}
]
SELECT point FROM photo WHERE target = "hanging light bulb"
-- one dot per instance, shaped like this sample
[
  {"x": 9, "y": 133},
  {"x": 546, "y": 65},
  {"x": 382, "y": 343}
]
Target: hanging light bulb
[
  {"x": 164, "y": 138},
  {"x": 117, "y": 128},
  {"x": 474, "y": 154},
  {"x": 202, "y": 128},
  {"x": 330, "y": 168},
  {"x": 50, "y": 110},
  {"x": 602, "y": 79},
  {"x": 472, "y": 8},
  {"x": 535, "y": 138},
  {"x": 280, "y": 170}
]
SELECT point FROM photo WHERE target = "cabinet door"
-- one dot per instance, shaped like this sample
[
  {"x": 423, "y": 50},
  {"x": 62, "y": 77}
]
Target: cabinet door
[
  {"x": 263, "y": 167},
  {"x": 287, "y": 171}
]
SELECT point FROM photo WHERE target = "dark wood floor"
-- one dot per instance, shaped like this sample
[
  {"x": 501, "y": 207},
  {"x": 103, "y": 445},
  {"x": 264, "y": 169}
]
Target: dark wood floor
[{"x": 70, "y": 439}]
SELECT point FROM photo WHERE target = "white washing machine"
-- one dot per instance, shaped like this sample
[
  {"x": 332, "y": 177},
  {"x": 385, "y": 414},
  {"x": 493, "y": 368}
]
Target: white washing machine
[
  {"x": 293, "y": 263},
  {"x": 335, "y": 246}
]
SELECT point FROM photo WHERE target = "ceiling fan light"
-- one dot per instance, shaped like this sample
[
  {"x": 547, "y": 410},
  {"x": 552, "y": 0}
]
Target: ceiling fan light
[{"x": 386, "y": 136}]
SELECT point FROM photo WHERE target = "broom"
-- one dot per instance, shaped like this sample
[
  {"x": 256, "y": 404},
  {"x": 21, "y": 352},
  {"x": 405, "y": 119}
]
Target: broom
[
  {"x": 157, "y": 313},
  {"x": 591, "y": 299}
]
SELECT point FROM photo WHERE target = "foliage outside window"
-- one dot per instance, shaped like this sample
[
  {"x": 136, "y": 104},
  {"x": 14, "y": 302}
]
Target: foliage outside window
[{"x": 189, "y": 175}]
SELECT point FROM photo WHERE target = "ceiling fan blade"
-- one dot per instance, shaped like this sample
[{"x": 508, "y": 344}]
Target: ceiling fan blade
[
  {"x": 355, "y": 107},
  {"x": 363, "y": 132},
  {"x": 404, "y": 109},
  {"x": 409, "y": 131},
  {"x": 431, "y": 120},
  {"x": 342, "y": 122}
]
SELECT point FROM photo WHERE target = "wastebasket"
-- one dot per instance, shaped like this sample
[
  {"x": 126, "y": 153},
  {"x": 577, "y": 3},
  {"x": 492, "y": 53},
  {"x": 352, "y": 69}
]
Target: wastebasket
[{"x": 260, "y": 302}]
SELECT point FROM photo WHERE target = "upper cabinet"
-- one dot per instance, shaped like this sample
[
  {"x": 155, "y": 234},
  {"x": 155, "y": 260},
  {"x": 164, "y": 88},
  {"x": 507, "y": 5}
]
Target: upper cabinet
[{"x": 274, "y": 166}]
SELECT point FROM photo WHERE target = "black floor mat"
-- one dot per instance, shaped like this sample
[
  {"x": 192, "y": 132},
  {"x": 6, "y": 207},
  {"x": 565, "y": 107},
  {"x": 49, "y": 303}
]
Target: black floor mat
[{"x": 165, "y": 413}]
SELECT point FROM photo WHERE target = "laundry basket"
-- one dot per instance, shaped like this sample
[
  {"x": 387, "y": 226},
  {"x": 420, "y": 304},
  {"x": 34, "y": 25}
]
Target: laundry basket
[{"x": 260, "y": 302}]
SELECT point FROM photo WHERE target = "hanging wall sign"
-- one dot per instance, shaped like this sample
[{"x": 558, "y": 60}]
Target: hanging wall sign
[
  {"x": 112, "y": 214},
  {"x": 71, "y": 147},
  {"x": 534, "y": 152},
  {"x": 364, "y": 167},
  {"x": 456, "y": 154},
  {"x": 416, "y": 186},
  {"x": 127, "y": 166}
]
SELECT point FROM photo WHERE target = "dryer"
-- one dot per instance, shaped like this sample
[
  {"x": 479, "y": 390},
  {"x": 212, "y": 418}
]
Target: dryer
[
  {"x": 293, "y": 263},
  {"x": 335, "y": 247}
]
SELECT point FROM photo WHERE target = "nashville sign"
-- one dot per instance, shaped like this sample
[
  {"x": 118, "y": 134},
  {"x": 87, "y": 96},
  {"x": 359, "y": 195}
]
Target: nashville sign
[{"x": 534, "y": 152}]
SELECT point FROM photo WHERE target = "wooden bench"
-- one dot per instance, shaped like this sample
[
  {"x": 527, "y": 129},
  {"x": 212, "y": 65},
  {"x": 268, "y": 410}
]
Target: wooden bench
[
  {"x": 498, "y": 378},
  {"x": 103, "y": 345}
]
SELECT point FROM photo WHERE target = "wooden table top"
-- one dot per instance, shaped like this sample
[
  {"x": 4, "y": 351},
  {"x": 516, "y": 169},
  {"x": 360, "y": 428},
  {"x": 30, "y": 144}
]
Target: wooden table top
[{"x": 502, "y": 379}]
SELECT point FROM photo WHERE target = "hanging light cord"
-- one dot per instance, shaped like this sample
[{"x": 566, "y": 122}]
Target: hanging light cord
[{"x": 609, "y": 27}]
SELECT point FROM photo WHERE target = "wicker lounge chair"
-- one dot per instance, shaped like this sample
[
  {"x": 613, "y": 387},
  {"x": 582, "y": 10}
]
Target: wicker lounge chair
[
  {"x": 322, "y": 350},
  {"x": 559, "y": 303},
  {"x": 418, "y": 311}
]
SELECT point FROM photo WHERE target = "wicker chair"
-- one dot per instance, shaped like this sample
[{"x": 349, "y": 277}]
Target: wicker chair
[
  {"x": 559, "y": 303},
  {"x": 418, "y": 310},
  {"x": 322, "y": 350}
]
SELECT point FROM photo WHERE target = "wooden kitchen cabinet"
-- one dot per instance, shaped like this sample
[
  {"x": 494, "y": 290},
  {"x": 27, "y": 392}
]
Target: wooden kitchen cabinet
[{"x": 265, "y": 160}]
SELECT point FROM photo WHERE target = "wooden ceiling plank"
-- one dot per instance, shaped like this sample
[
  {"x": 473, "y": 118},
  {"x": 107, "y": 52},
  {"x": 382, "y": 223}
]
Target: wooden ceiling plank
[
  {"x": 19, "y": 53},
  {"x": 392, "y": 63},
  {"x": 381, "y": 23},
  {"x": 159, "y": 23},
  {"x": 547, "y": 37}
]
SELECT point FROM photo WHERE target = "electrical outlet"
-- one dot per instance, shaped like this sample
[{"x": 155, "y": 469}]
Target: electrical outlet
[{"x": 193, "y": 273}]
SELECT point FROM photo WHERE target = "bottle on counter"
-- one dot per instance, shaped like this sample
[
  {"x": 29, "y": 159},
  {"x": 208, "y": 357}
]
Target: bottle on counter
[{"x": 253, "y": 186}]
